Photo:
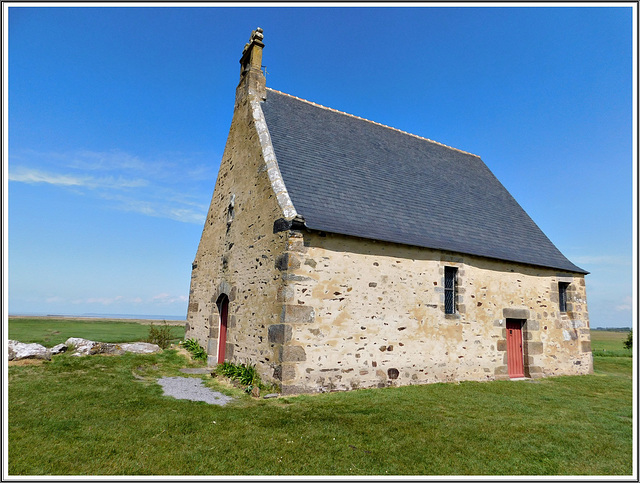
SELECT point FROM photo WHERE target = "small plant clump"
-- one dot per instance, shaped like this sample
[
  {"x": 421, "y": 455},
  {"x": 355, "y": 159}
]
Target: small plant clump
[
  {"x": 245, "y": 374},
  {"x": 196, "y": 350},
  {"x": 628, "y": 343},
  {"x": 161, "y": 336}
]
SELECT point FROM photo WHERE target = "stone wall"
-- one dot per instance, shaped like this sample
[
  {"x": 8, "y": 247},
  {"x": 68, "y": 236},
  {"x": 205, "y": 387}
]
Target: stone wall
[
  {"x": 360, "y": 313},
  {"x": 238, "y": 249}
]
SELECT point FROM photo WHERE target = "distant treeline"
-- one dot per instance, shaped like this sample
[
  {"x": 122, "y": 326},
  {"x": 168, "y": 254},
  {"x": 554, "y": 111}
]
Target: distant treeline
[{"x": 614, "y": 329}]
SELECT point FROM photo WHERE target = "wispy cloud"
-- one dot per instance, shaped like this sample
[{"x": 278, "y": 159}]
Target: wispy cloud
[
  {"x": 107, "y": 161},
  {"x": 187, "y": 215},
  {"x": 602, "y": 260},
  {"x": 161, "y": 208},
  {"x": 175, "y": 186},
  {"x": 169, "y": 166},
  {"x": 104, "y": 300},
  {"x": 167, "y": 299},
  {"x": 33, "y": 176},
  {"x": 81, "y": 159},
  {"x": 625, "y": 306},
  {"x": 162, "y": 299}
]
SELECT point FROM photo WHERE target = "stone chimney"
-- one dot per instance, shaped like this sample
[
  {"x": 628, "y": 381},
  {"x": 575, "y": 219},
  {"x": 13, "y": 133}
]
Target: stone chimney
[{"x": 252, "y": 80}]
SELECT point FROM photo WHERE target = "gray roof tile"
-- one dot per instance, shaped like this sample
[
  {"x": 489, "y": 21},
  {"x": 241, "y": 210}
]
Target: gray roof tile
[{"x": 354, "y": 177}]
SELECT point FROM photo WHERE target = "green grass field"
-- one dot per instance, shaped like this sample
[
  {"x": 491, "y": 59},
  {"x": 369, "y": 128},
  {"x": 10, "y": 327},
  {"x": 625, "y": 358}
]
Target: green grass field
[
  {"x": 107, "y": 416},
  {"x": 51, "y": 331},
  {"x": 609, "y": 343}
]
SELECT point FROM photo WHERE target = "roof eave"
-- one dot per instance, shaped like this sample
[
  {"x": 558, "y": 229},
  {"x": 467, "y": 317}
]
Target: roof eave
[{"x": 299, "y": 223}]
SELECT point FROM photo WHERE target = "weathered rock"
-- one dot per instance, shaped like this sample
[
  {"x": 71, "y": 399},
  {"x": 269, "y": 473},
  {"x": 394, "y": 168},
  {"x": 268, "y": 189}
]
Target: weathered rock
[
  {"x": 82, "y": 347},
  {"x": 79, "y": 346},
  {"x": 106, "y": 348},
  {"x": 58, "y": 349},
  {"x": 20, "y": 350},
  {"x": 85, "y": 347},
  {"x": 140, "y": 347},
  {"x": 269, "y": 396}
]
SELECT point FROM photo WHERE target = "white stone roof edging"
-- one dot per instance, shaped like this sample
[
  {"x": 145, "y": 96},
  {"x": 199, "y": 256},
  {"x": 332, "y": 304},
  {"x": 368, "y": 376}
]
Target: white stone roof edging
[{"x": 269, "y": 155}]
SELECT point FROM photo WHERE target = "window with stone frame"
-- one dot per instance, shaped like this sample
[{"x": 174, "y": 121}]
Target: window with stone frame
[
  {"x": 562, "y": 295},
  {"x": 450, "y": 289}
]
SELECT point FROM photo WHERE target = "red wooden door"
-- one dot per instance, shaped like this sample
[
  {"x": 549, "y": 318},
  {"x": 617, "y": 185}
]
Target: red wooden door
[
  {"x": 223, "y": 309},
  {"x": 515, "y": 360}
]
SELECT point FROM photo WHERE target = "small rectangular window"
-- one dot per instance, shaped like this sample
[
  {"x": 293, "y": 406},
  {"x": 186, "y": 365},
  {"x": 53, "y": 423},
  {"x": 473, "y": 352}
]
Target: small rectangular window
[
  {"x": 562, "y": 295},
  {"x": 450, "y": 288}
]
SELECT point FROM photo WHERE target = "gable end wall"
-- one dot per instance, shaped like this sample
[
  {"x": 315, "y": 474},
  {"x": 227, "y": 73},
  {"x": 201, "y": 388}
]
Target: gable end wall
[{"x": 237, "y": 253}]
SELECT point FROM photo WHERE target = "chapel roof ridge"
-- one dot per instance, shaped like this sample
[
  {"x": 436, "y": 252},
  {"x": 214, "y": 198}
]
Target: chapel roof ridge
[{"x": 372, "y": 122}]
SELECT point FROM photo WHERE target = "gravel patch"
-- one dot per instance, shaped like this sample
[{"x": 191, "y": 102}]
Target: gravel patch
[
  {"x": 192, "y": 389},
  {"x": 196, "y": 370}
]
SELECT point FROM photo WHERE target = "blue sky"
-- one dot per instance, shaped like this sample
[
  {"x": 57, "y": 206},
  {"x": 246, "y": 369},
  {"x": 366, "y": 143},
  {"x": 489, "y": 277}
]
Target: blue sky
[{"x": 118, "y": 117}]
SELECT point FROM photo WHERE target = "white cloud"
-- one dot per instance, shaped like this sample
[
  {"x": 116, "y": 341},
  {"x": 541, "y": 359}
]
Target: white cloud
[
  {"x": 120, "y": 299},
  {"x": 104, "y": 300},
  {"x": 33, "y": 176},
  {"x": 53, "y": 300},
  {"x": 187, "y": 215},
  {"x": 106, "y": 160},
  {"x": 137, "y": 206},
  {"x": 165, "y": 299},
  {"x": 174, "y": 186},
  {"x": 160, "y": 209},
  {"x": 169, "y": 167},
  {"x": 82, "y": 159},
  {"x": 625, "y": 306}
]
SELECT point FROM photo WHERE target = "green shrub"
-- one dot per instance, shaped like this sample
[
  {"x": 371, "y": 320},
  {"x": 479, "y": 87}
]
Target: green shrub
[
  {"x": 628, "y": 344},
  {"x": 162, "y": 335},
  {"x": 196, "y": 350}
]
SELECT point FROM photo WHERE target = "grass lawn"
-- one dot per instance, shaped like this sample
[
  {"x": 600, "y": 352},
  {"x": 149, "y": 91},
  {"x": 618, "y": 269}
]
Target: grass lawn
[
  {"x": 50, "y": 331},
  {"x": 105, "y": 415},
  {"x": 609, "y": 343}
]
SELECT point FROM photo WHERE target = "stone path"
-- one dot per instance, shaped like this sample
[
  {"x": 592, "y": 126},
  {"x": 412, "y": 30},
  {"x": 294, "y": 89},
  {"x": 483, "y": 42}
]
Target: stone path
[
  {"x": 192, "y": 389},
  {"x": 197, "y": 370}
]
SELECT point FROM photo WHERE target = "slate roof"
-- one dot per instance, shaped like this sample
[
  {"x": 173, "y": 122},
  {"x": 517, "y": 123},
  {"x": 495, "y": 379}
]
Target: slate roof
[{"x": 355, "y": 177}]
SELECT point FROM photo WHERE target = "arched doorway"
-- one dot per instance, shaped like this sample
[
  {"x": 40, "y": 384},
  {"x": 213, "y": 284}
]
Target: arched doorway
[{"x": 223, "y": 310}]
